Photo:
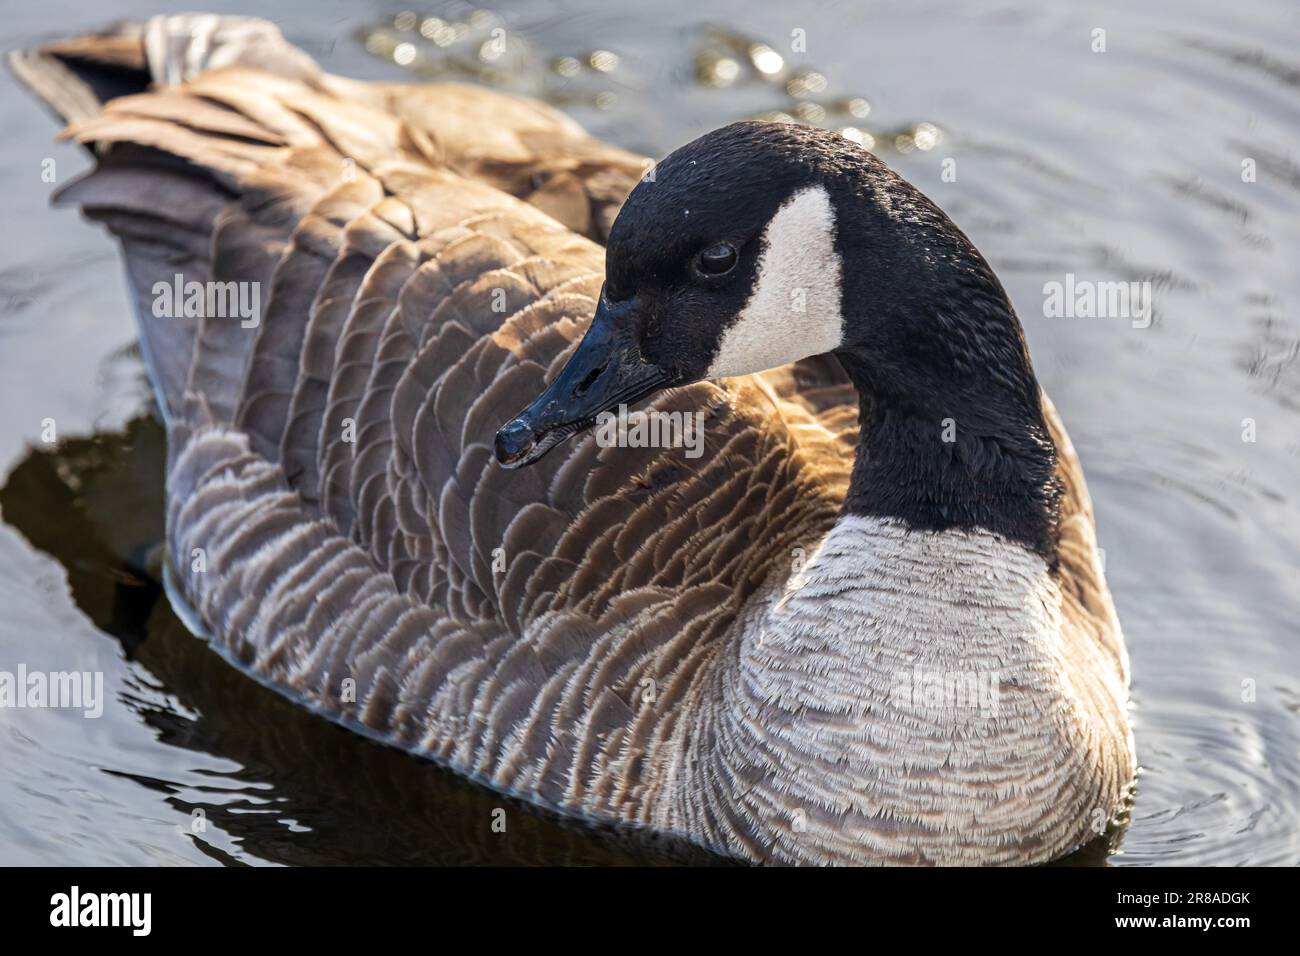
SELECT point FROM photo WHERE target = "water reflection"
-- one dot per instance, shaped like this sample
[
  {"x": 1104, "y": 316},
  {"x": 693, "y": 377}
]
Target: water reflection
[{"x": 1125, "y": 166}]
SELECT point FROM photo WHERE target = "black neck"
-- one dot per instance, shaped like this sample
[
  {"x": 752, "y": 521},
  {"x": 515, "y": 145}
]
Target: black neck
[
  {"x": 935, "y": 468},
  {"x": 952, "y": 428}
]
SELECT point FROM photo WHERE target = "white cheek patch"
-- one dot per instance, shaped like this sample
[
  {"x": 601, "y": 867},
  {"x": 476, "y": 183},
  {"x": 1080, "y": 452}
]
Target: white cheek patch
[{"x": 794, "y": 311}]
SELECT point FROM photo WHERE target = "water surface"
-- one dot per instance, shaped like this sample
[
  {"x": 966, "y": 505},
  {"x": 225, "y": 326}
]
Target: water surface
[{"x": 1118, "y": 165}]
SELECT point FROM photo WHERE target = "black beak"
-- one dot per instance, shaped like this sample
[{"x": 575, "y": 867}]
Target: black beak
[{"x": 606, "y": 370}]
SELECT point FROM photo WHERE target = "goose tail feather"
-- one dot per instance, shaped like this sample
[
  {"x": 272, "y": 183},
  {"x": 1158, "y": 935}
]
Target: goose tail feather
[
  {"x": 76, "y": 77},
  {"x": 163, "y": 205}
]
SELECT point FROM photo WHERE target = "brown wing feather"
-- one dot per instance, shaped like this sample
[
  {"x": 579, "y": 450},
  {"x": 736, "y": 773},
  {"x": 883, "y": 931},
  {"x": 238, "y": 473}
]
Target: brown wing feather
[{"x": 1082, "y": 578}]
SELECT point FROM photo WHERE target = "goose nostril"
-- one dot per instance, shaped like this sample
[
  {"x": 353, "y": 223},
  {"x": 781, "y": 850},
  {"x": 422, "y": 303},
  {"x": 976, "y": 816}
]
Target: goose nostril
[
  {"x": 590, "y": 378},
  {"x": 514, "y": 441}
]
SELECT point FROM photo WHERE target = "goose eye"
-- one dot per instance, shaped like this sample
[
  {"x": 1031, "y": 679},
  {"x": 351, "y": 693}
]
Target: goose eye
[{"x": 718, "y": 259}]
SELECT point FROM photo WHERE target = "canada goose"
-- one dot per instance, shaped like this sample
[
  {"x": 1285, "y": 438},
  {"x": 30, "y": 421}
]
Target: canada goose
[{"x": 768, "y": 648}]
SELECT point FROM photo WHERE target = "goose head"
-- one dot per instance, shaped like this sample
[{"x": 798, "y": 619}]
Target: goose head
[
  {"x": 702, "y": 265},
  {"x": 760, "y": 244}
]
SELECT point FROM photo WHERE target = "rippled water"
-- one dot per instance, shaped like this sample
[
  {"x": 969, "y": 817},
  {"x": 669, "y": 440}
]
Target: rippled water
[{"x": 1118, "y": 165}]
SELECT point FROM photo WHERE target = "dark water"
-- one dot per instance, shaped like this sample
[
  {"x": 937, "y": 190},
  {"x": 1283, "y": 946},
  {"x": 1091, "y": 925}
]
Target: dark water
[{"x": 1118, "y": 165}]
